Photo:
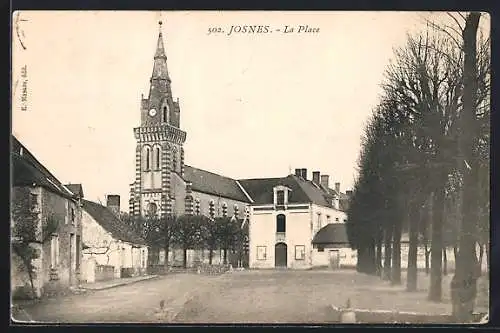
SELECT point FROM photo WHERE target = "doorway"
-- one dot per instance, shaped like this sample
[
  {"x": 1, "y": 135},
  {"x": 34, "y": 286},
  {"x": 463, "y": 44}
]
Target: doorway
[
  {"x": 280, "y": 255},
  {"x": 71, "y": 258},
  {"x": 334, "y": 259}
]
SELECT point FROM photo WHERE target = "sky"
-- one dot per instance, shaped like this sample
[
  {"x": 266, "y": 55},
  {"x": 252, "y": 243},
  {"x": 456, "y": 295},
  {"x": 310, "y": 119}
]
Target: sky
[{"x": 253, "y": 105}]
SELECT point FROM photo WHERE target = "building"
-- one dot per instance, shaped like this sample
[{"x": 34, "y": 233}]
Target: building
[
  {"x": 112, "y": 249},
  {"x": 285, "y": 216},
  {"x": 331, "y": 248},
  {"x": 47, "y": 215},
  {"x": 164, "y": 184}
]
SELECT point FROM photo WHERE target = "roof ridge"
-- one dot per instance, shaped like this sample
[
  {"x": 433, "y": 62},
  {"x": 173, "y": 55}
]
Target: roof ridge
[
  {"x": 268, "y": 178},
  {"x": 213, "y": 173}
]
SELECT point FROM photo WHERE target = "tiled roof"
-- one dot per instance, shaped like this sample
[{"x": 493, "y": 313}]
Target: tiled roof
[
  {"x": 333, "y": 233},
  {"x": 211, "y": 183},
  {"x": 315, "y": 193},
  {"x": 111, "y": 223},
  {"x": 302, "y": 191},
  {"x": 27, "y": 170},
  {"x": 77, "y": 189}
]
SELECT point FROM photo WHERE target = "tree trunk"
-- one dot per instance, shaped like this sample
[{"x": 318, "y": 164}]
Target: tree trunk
[
  {"x": 167, "y": 250},
  {"x": 411, "y": 280},
  {"x": 396, "y": 254},
  {"x": 210, "y": 255},
  {"x": 184, "y": 257},
  {"x": 387, "y": 253},
  {"x": 378, "y": 256},
  {"x": 455, "y": 254},
  {"x": 225, "y": 256},
  {"x": 435, "y": 288},
  {"x": 427, "y": 254},
  {"x": 445, "y": 262},
  {"x": 464, "y": 283},
  {"x": 370, "y": 258}
]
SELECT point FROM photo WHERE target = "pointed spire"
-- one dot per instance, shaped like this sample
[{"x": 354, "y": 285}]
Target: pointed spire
[
  {"x": 160, "y": 49},
  {"x": 160, "y": 59}
]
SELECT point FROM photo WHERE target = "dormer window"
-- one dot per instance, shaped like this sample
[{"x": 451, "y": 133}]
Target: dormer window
[{"x": 281, "y": 195}]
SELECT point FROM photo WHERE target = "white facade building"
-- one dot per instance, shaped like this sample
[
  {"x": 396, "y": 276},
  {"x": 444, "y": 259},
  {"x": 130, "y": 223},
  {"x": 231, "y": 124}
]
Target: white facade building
[
  {"x": 111, "y": 249},
  {"x": 286, "y": 215}
]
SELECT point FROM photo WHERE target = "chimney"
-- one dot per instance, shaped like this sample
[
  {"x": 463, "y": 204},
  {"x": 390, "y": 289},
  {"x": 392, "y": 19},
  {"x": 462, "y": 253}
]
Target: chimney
[
  {"x": 316, "y": 177},
  {"x": 337, "y": 188},
  {"x": 113, "y": 203},
  {"x": 298, "y": 172},
  {"x": 304, "y": 173},
  {"x": 325, "y": 181}
]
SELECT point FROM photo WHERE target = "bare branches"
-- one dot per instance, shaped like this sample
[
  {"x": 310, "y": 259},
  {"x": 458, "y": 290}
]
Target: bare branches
[{"x": 456, "y": 21}]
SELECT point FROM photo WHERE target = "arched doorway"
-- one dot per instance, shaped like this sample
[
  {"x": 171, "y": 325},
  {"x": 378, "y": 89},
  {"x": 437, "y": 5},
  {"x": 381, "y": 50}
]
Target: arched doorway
[{"x": 280, "y": 255}]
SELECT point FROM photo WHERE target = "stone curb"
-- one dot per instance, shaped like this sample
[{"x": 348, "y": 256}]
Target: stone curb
[
  {"x": 339, "y": 310},
  {"x": 119, "y": 283}
]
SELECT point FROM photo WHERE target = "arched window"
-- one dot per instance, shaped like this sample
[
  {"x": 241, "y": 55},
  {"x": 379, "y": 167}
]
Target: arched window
[
  {"x": 224, "y": 209},
  {"x": 157, "y": 158},
  {"x": 280, "y": 223},
  {"x": 211, "y": 209},
  {"x": 165, "y": 114},
  {"x": 146, "y": 158}
]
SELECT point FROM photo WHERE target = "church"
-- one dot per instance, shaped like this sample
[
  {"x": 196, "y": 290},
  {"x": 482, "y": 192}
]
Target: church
[{"x": 164, "y": 184}]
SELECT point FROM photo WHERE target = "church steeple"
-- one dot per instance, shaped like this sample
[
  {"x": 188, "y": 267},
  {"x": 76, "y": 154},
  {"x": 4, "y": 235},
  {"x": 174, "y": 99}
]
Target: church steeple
[
  {"x": 160, "y": 71},
  {"x": 159, "y": 151},
  {"x": 160, "y": 49}
]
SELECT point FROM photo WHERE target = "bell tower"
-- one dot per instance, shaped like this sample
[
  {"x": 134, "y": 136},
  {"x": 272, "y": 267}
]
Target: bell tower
[{"x": 159, "y": 149}]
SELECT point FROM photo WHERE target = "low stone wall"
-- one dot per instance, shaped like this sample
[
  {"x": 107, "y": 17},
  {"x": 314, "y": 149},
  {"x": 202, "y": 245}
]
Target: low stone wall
[
  {"x": 202, "y": 268},
  {"x": 104, "y": 273},
  {"x": 213, "y": 269}
]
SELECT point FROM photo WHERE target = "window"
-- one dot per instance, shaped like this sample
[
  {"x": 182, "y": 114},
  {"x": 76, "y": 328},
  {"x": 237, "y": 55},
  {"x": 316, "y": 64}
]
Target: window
[
  {"x": 236, "y": 210},
  {"x": 321, "y": 248},
  {"x": 224, "y": 209},
  {"x": 318, "y": 223},
  {"x": 300, "y": 252},
  {"x": 146, "y": 158},
  {"x": 157, "y": 158},
  {"x": 152, "y": 209},
  {"x": 54, "y": 251},
  {"x": 174, "y": 161},
  {"x": 261, "y": 253},
  {"x": 328, "y": 219},
  {"x": 280, "y": 223},
  {"x": 33, "y": 202},
  {"x": 345, "y": 220},
  {"x": 72, "y": 215},
  {"x": 67, "y": 215},
  {"x": 336, "y": 219},
  {"x": 211, "y": 209},
  {"x": 280, "y": 197},
  {"x": 78, "y": 249},
  {"x": 165, "y": 110},
  {"x": 197, "y": 209}
]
